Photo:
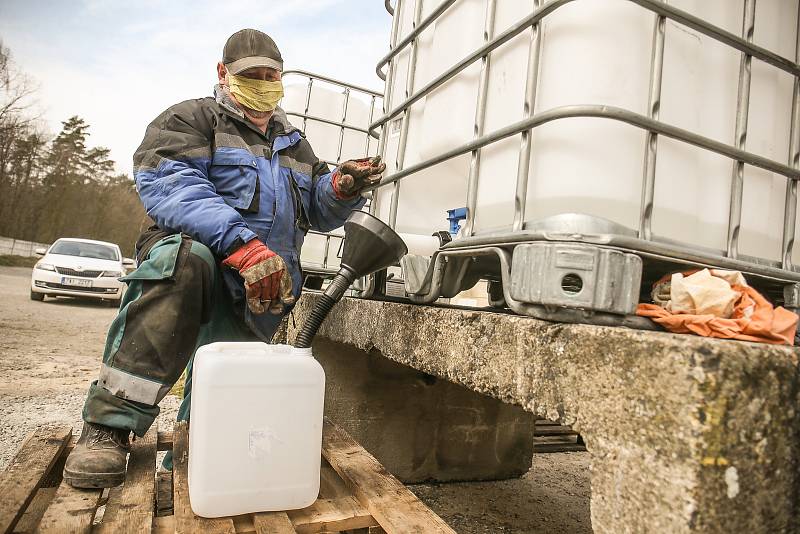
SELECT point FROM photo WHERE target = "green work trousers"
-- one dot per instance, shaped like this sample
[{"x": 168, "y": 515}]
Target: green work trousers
[{"x": 176, "y": 301}]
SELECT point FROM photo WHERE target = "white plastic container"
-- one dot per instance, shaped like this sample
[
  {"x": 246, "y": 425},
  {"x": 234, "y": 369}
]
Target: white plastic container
[
  {"x": 255, "y": 434},
  {"x": 596, "y": 52}
]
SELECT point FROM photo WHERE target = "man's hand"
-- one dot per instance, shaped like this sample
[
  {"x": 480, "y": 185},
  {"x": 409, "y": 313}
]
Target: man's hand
[
  {"x": 354, "y": 175},
  {"x": 267, "y": 281}
]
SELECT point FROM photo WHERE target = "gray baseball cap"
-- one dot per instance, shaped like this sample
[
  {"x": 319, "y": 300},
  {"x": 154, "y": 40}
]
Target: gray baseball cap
[{"x": 250, "y": 48}]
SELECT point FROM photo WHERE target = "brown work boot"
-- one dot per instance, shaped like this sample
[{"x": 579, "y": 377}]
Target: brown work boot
[{"x": 99, "y": 458}]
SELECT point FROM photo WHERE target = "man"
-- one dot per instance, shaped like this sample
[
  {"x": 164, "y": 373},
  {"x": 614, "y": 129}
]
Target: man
[{"x": 232, "y": 188}]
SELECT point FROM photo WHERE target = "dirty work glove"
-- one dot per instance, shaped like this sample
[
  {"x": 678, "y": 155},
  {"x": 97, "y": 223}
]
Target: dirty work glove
[
  {"x": 267, "y": 281},
  {"x": 354, "y": 175}
]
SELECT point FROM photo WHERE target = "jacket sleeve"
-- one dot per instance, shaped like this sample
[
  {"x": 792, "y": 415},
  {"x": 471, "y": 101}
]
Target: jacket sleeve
[
  {"x": 327, "y": 211},
  {"x": 171, "y": 168}
]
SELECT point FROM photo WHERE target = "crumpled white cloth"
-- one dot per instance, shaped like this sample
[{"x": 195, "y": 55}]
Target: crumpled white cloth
[{"x": 706, "y": 292}]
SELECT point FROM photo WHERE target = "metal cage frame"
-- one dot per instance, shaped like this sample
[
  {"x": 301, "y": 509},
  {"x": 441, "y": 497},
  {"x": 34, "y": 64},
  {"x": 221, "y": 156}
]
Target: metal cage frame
[{"x": 640, "y": 241}]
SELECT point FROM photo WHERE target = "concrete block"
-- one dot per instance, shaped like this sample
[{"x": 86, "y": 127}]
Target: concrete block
[
  {"x": 686, "y": 434},
  {"x": 421, "y": 427}
]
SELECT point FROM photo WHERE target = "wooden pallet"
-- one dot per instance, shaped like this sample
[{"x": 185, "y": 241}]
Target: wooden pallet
[
  {"x": 549, "y": 436},
  {"x": 357, "y": 494}
]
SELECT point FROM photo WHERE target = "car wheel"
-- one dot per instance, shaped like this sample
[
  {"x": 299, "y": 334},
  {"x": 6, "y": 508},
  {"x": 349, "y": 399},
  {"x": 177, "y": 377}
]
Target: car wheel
[{"x": 37, "y": 296}]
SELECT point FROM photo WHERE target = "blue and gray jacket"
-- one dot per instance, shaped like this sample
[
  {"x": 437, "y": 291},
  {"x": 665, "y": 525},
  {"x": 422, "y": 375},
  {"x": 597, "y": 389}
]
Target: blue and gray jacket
[{"x": 204, "y": 170}]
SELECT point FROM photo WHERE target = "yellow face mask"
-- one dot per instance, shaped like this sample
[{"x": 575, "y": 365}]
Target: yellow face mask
[{"x": 259, "y": 95}]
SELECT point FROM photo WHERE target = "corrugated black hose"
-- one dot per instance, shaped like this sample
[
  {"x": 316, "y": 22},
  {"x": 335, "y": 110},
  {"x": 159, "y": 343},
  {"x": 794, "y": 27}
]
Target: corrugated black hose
[{"x": 331, "y": 296}]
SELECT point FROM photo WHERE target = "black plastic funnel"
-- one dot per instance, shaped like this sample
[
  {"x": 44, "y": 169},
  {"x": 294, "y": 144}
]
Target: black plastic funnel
[{"x": 369, "y": 246}]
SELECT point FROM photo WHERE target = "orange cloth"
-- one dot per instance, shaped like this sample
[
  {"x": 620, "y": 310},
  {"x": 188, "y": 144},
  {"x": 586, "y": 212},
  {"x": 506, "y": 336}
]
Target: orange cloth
[{"x": 765, "y": 324}]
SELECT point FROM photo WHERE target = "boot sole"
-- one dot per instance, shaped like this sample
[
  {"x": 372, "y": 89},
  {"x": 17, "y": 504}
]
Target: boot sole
[{"x": 94, "y": 480}]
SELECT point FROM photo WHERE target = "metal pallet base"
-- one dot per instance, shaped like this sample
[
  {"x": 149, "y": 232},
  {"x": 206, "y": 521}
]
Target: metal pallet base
[{"x": 556, "y": 270}]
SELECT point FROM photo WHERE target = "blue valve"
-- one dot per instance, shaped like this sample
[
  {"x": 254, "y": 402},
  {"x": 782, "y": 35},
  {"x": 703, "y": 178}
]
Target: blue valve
[{"x": 455, "y": 216}]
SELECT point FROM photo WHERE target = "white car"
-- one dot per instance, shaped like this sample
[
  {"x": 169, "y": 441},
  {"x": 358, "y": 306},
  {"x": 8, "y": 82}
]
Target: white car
[{"x": 80, "y": 268}]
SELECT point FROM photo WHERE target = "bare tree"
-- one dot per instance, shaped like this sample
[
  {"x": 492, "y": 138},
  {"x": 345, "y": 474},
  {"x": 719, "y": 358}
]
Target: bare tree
[{"x": 16, "y": 92}]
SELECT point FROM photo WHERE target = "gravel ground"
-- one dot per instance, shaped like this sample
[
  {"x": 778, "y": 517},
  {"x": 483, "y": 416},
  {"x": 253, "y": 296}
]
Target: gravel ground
[{"x": 50, "y": 352}]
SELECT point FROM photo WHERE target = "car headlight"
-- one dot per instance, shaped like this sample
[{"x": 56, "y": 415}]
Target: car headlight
[
  {"x": 45, "y": 266},
  {"x": 111, "y": 274}
]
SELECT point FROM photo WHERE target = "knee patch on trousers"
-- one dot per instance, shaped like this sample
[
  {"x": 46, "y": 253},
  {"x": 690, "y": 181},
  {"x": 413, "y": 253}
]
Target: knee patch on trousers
[{"x": 157, "y": 328}]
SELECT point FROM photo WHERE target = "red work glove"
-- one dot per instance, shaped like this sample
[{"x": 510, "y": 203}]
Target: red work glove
[
  {"x": 267, "y": 281},
  {"x": 354, "y": 175}
]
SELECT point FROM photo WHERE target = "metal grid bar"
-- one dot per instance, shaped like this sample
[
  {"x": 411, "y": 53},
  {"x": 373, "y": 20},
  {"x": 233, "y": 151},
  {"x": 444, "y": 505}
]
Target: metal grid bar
[
  {"x": 344, "y": 118},
  {"x": 526, "y": 141},
  {"x": 388, "y": 5},
  {"x": 408, "y": 39},
  {"x": 333, "y": 123},
  {"x": 606, "y": 112},
  {"x": 401, "y": 144},
  {"x": 328, "y": 79},
  {"x": 740, "y": 138},
  {"x": 369, "y": 120},
  {"x": 480, "y": 119},
  {"x": 790, "y": 208},
  {"x": 387, "y": 98},
  {"x": 327, "y": 250},
  {"x": 308, "y": 102},
  {"x": 651, "y": 143}
]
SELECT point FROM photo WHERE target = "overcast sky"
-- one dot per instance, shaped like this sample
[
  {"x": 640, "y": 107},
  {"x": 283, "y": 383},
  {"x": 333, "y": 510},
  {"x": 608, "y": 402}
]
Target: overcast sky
[{"x": 117, "y": 64}]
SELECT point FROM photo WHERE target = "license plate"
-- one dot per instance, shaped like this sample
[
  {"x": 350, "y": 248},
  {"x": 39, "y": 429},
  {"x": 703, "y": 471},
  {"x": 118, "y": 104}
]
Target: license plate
[{"x": 77, "y": 282}]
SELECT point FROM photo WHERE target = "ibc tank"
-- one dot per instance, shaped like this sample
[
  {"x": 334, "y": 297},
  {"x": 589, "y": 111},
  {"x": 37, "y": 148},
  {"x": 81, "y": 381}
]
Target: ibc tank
[{"x": 595, "y": 52}]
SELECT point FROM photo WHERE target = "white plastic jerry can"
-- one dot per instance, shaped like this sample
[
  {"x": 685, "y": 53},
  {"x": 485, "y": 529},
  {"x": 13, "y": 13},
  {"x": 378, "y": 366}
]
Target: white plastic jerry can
[{"x": 255, "y": 434}]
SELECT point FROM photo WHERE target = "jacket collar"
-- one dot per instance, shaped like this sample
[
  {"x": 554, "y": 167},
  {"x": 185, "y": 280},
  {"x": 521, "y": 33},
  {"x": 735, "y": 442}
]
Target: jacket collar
[{"x": 279, "y": 124}]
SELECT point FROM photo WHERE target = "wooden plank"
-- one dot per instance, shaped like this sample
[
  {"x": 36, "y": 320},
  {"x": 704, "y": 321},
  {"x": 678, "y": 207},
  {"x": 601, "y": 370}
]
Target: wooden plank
[
  {"x": 164, "y": 525},
  {"x": 164, "y": 493},
  {"x": 554, "y": 431},
  {"x": 108, "y": 514},
  {"x": 243, "y": 524},
  {"x": 546, "y": 422},
  {"x": 33, "y": 514},
  {"x": 72, "y": 442},
  {"x": 558, "y": 447},
  {"x": 331, "y": 515},
  {"x": 24, "y": 475},
  {"x": 395, "y": 508},
  {"x": 273, "y": 523},
  {"x": 131, "y": 508},
  {"x": 164, "y": 440},
  {"x": 185, "y": 519},
  {"x": 72, "y": 510}
]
